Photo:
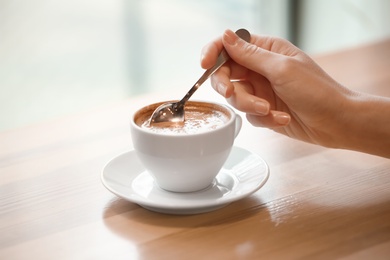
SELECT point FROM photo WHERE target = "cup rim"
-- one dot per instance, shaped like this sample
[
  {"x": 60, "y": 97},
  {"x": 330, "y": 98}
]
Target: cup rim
[{"x": 230, "y": 121}]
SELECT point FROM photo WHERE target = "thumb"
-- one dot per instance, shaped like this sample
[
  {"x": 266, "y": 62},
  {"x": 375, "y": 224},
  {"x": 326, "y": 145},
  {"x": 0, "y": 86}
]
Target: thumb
[{"x": 249, "y": 55}]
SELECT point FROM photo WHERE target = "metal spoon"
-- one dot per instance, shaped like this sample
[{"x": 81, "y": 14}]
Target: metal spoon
[{"x": 174, "y": 111}]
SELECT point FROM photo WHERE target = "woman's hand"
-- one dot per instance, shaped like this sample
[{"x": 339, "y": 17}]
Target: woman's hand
[{"x": 280, "y": 87}]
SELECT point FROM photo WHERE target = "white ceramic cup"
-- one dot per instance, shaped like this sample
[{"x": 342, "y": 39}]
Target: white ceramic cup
[{"x": 185, "y": 162}]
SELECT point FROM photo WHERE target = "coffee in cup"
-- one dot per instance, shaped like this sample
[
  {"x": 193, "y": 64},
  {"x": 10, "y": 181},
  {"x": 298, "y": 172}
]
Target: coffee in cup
[
  {"x": 186, "y": 156},
  {"x": 198, "y": 116}
]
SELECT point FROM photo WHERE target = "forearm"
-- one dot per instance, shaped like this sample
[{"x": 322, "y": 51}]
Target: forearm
[{"x": 367, "y": 125}]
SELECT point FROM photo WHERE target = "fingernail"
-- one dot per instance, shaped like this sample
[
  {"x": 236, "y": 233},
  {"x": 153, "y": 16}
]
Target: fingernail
[
  {"x": 230, "y": 37},
  {"x": 282, "y": 119},
  {"x": 261, "y": 107},
  {"x": 221, "y": 89}
]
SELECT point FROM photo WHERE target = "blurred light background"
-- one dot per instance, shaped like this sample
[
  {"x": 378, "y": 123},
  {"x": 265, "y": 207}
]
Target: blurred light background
[{"x": 61, "y": 57}]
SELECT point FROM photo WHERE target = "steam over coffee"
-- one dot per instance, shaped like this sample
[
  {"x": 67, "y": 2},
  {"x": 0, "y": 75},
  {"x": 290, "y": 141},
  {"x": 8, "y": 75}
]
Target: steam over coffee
[{"x": 199, "y": 117}]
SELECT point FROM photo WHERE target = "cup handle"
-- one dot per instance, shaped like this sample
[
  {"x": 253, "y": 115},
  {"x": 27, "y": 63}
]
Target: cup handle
[{"x": 238, "y": 125}]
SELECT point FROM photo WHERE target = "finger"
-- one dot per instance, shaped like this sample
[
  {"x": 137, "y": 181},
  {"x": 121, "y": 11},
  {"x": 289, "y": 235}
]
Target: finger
[
  {"x": 273, "y": 120},
  {"x": 220, "y": 81},
  {"x": 256, "y": 58},
  {"x": 210, "y": 53},
  {"x": 243, "y": 99}
]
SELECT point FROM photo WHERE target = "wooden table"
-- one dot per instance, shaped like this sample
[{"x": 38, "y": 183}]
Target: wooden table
[{"x": 317, "y": 203}]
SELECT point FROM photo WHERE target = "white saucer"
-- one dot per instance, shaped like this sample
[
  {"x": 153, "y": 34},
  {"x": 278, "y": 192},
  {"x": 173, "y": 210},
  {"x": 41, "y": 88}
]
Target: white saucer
[{"x": 243, "y": 174}]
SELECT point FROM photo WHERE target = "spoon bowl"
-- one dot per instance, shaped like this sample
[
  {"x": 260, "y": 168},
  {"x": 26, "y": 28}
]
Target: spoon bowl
[
  {"x": 174, "y": 111},
  {"x": 168, "y": 112}
]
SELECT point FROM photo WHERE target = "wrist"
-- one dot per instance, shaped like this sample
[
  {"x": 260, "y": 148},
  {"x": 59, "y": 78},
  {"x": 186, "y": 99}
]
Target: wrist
[{"x": 365, "y": 124}]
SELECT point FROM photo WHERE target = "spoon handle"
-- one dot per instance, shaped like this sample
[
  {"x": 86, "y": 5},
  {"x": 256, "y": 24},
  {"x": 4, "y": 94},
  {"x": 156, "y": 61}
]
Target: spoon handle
[{"x": 222, "y": 58}]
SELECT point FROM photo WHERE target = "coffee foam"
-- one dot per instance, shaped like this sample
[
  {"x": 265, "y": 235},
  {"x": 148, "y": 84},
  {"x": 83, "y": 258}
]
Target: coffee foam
[{"x": 199, "y": 117}]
